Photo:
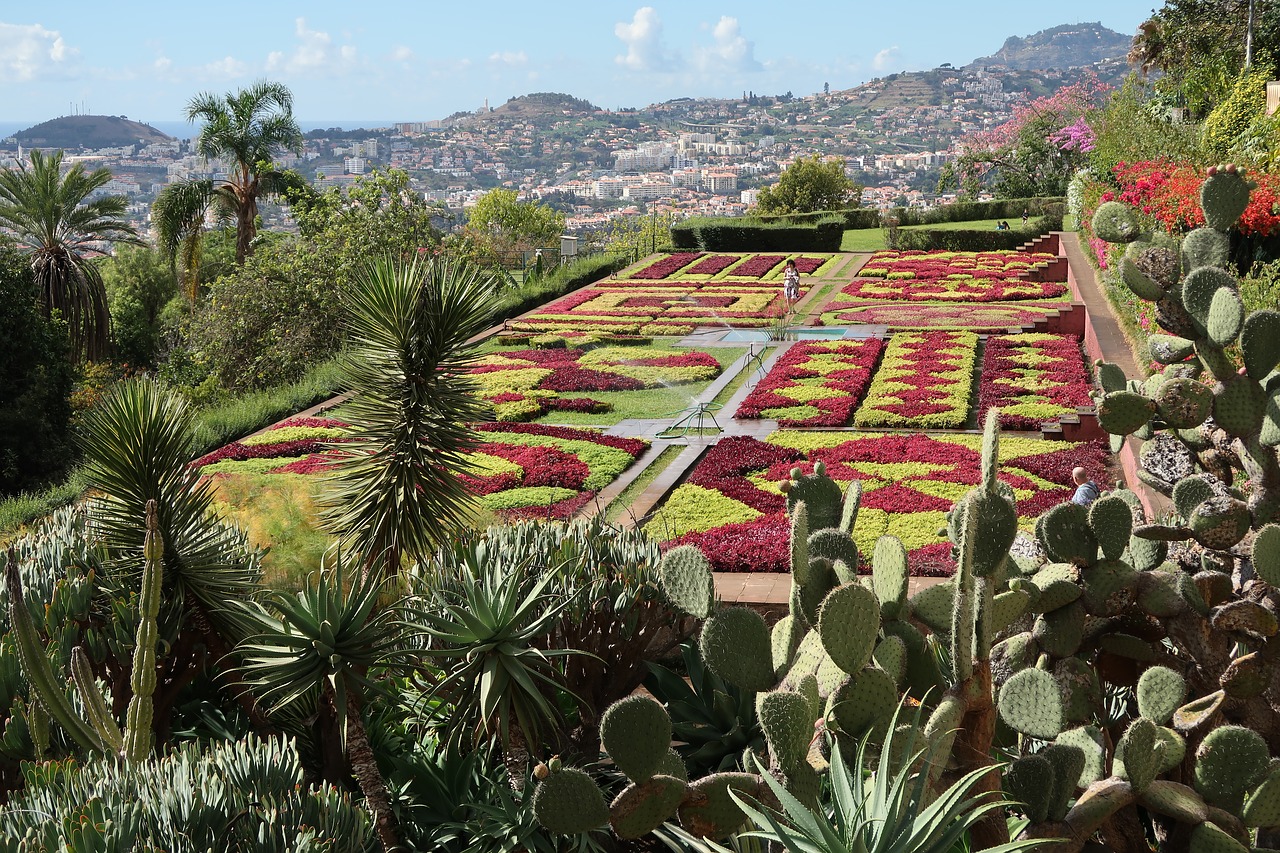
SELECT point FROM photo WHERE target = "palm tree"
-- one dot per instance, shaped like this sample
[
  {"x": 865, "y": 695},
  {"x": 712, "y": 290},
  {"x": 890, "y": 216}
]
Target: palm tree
[
  {"x": 51, "y": 216},
  {"x": 246, "y": 130},
  {"x": 396, "y": 492}
]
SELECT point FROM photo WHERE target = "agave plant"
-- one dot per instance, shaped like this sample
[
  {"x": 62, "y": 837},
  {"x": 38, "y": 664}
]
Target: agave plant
[
  {"x": 882, "y": 809},
  {"x": 485, "y": 631},
  {"x": 320, "y": 651}
]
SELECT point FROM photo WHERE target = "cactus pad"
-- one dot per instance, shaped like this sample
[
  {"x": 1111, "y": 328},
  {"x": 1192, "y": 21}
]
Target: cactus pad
[
  {"x": 1089, "y": 741},
  {"x": 1170, "y": 349},
  {"x": 1137, "y": 280},
  {"x": 821, "y": 495},
  {"x": 1190, "y": 492},
  {"x": 1176, "y": 801},
  {"x": 1110, "y": 377},
  {"x": 932, "y": 605},
  {"x": 1115, "y": 222},
  {"x": 1057, "y": 585},
  {"x": 1220, "y": 522},
  {"x": 852, "y": 500},
  {"x": 1081, "y": 692},
  {"x": 735, "y": 645},
  {"x": 1231, "y": 761},
  {"x": 688, "y": 582},
  {"x": 1205, "y": 247},
  {"x": 1260, "y": 343},
  {"x": 1109, "y": 587},
  {"x": 1066, "y": 535},
  {"x": 568, "y": 802},
  {"x": 1245, "y": 677},
  {"x": 1239, "y": 406},
  {"x": 866, "y": 701},
  {"x": 889, "y": 575},
  {"x": 1199, "y": 287},
  {"x": 636, "y": 732},
  {"x": 997, "y": 527},
  {"x": 1122, "y": 412},
  {"x": 848, "y": 623},
  {"x": 709, "y": 812},
  {"x": 1067, "y": 763},
  {"x": 1226, "y": 317},
  {"x": 1184, "y": 403},
  {"x": 787, "y": 725},
  {"x": 891, "y": 656},
  {"x": 1140, "y": 751},
  {"x": 1245, "y": 615},
  {"x": 673, "y": 765},
  {"x": 1262, "y": 807},
  {"x": 1208, "y": 838},
  {"x": 1031, "y": 703},
  {"x": 1008, "y": 607},
  {"x": 642, "y": 808},
  {"x": 833, "y": 544},
  {"x": 1029, "y": 780},
  {"x": 1266, "y": 554},
  {"x": 1199, "y": 713},
  {"x": 1160, "y": 693},
  {"x": 1223, "y": 197},
  {"x": 1111, "y": 520},
  {"x": 1060, "y": 632}
]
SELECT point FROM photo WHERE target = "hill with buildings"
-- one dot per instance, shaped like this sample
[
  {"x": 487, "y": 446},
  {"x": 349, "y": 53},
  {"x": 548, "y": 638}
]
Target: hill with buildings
[
  {"x": 1066, "y": 46},
  {"x": 84, "y": 131}
]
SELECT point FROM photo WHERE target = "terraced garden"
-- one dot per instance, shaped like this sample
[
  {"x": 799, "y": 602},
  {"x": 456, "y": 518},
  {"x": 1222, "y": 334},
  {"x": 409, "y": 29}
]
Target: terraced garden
[{"x": 590, "y": 390}]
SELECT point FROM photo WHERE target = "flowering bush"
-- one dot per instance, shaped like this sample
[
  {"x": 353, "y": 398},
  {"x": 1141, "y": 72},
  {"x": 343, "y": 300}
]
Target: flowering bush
[
  {"x": 816, "y": 383},
  {"x": 924, "y": 382},
  {"x": 731, "y": 508},
  {"x": 1169, "y": 193},
  {"x": 526, "y": 384},
  {"x": 1032, "y": 378}
]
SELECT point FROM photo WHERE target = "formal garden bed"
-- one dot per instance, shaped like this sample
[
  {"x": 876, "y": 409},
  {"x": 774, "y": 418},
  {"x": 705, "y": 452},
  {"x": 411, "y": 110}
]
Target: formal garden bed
[
  {"x": 924, "y": 382},
  {"x": 731, "y": 508},
  {"x": 706, "y": 266},
  {"x": 815, "y": 383},
  {"x": 1032, "y": 378},
  {"x": 977, "y": 317}
]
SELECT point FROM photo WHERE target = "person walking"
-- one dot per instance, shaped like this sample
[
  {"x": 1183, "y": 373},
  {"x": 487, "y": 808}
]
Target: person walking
[
  {"x": 791, "y": 283},
  {"x": 1087, "y": 491}
]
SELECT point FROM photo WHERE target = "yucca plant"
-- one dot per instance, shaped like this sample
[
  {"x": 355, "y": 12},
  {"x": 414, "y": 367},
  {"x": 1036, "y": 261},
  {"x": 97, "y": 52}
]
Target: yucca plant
[
  {"x": 319, "y": 653},
  {"x": 885, "y": 808},
  {"x": 396, "y": 493}
]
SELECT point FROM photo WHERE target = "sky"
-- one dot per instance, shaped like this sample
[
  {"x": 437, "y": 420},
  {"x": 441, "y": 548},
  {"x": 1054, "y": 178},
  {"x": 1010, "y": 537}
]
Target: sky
[{"x": 397, "y": 60}]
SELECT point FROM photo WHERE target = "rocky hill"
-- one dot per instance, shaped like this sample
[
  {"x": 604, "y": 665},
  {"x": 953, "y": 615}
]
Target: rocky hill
[
  {"x": 538, "y": 105},
  {"x": 1066, "y": 46},
  {"x": 73, "y": 132}
]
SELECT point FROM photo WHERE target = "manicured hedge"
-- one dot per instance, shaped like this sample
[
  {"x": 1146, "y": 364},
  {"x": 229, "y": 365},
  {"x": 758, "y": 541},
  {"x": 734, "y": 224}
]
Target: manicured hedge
[
  {"x": 985, "y": 240},
  {"x": 960, "y": 211},
  {"x": 756, "y": 235}
]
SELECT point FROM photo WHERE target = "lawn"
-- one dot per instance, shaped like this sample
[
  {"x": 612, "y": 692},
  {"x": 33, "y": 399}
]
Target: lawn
[{"x": 872, "y": 239}]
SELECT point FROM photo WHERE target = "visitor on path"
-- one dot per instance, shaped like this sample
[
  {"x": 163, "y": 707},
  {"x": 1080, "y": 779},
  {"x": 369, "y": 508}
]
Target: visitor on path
[
  {"x": 1087, "y": 491},
  {"x": 791, "y": 283},
  {"x": 1024, "y": 217}
]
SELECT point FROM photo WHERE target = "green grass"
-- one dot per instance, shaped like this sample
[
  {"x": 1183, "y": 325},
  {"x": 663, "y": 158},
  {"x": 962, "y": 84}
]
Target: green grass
[
  {"x": 872, "y": 239},
  {"x": 648, "y": 404},
  {"x": 618, "y": 507}
]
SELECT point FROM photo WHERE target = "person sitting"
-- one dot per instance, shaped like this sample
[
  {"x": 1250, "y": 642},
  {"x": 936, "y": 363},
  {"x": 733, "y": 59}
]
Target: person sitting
[{"x": 1087, "y": 491}]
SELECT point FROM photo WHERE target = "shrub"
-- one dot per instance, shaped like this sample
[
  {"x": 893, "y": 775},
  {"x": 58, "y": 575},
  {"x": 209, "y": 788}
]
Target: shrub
[
  {"x": 757, "y": 235},
  {"x": 139, "y": 285}
]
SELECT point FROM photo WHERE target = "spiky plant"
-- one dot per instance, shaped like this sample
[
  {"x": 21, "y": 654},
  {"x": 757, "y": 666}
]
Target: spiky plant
[{"x": 396, "y": 493}]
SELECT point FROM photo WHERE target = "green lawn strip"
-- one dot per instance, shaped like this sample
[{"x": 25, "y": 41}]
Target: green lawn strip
[
  {"x": 619, "y": 506},
  {"x": 872, "y": 239},
  {"x": 645, "y": 404}
]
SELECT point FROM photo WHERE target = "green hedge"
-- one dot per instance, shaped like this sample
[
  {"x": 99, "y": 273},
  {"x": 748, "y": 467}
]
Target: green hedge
[
  {"x": 854, "y": 217},
  {"x": 535, "y": 292},
  {"x": 755, "y": 235},
  {"x": 960, "y": 211},
  {"x": 986, "y": 240}
]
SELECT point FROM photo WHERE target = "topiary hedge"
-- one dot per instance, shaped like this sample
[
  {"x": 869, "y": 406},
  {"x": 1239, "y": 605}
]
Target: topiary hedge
[
  {"x": 973, "y": 240},
  {"x": 757, "y": 235}
]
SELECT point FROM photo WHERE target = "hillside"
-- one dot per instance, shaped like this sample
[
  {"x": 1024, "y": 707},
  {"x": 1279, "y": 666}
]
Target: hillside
[
  {"x": 539, "y": 105},
  {"x": 72, "y": 132},
  {"x": 1066, "y": 46}
]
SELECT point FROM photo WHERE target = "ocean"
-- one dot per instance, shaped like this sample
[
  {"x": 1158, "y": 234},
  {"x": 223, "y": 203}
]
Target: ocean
[{"x": 185, "y": 130}]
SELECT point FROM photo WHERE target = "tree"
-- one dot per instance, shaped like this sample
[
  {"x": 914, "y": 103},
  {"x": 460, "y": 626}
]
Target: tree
[
  {"x": 395, "y": 491},
  {"x": 1198, "y": 48},
  {"x": 36, "y": 376},
  {"x": 500, "y": 225},
  {"x": 810, "y": 184},
  {"x": 139, "y": 285},
  {"x": 53, "y": 219},
  {"x": 246, "y": 130}
]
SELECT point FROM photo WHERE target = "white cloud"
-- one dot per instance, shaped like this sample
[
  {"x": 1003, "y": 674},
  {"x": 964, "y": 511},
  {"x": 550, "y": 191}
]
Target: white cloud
[
  {"x": 729, "y": 51},
  {"x": 315, "y": 52},
  {"x": 401, "y": 53},
  {"x": 227, "y": 68},
  {"x": 643, "y": 39},
  {"x": 29, "y": 52},
  {"x": 510, "y": 58},
  {"x": 887, "y": 58}
]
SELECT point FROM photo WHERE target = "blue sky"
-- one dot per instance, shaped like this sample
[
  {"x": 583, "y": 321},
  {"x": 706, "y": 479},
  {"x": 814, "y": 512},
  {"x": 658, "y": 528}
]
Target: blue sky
[{"x": 406, "y": 61}]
